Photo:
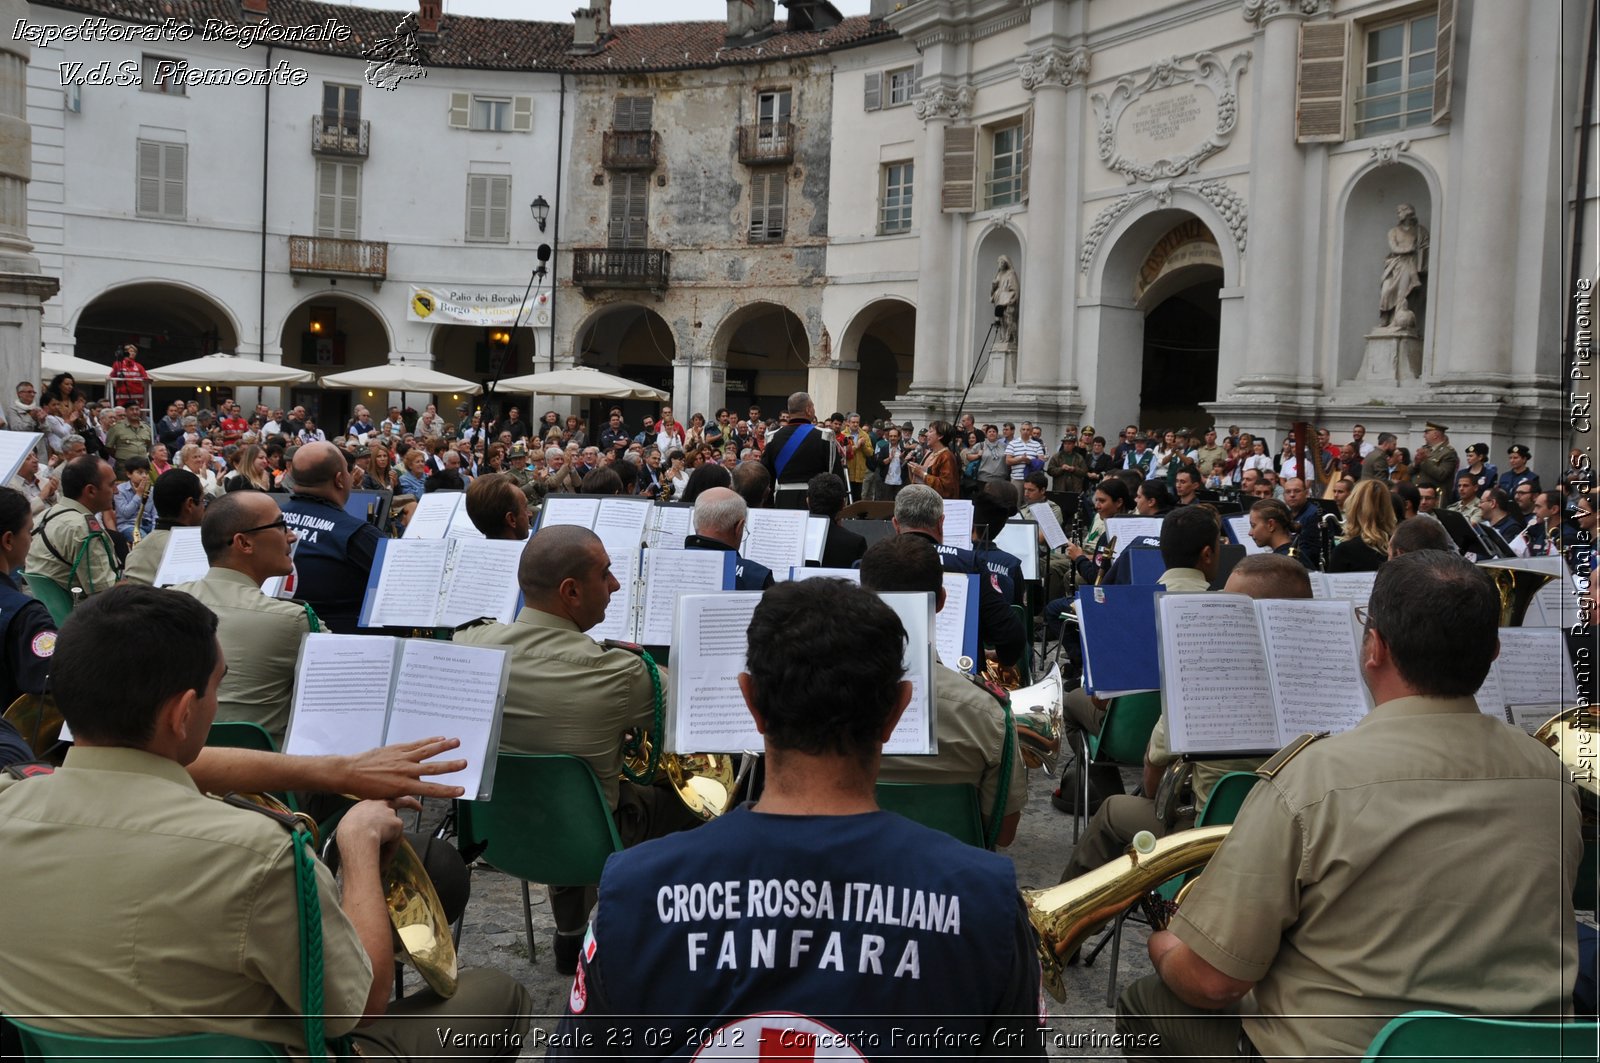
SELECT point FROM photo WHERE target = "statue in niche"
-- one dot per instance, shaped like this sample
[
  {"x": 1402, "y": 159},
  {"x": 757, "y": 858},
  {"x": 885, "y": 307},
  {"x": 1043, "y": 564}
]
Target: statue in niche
[
  {"x": 1004, "y": 293},
  {"x": 1400, "y": 294}
]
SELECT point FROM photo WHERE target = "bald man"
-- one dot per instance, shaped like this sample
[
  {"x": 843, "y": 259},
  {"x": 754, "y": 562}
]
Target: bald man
[
  {"x": 719, "y": 519},
  {"x": 569, "y": 694},
  {"x": 336, "y": 548}
]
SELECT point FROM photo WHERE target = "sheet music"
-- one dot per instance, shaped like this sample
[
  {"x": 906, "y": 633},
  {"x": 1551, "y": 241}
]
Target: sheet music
[
  {"x": 915, "y": 731},
  {"x": 816, "y": 537},
  {"x": 461, "y": 526},
  {"x": 14, "y": 450},
  {"x": 1214, "y": 682},
  {"x": 1491, "y": 696},
  {"x": 620, "y": 526},
  {"x": 1352, "y": 587},
  {"x": 184, "y": 560},
  {"x": 775, "y": 538},
  {"x": 950, "y": 624},
  {"x": 458, "y": 691},
  {"x": 1534, "y": 666},
  {"x": 1313, "y": 654},
  {"x": 1128, "y": 530},
  {"x": 671, "y": 526},
  {"x": 409, "y": 581},
  {"x": 1021, "y": 540},
  {"x": 1239, "y": 525},
  {"x": 708, "y": 712},
  {"x": 958, "y": 522},
  {"x": 434, "y": 514},
  {"x": 851, "y": 574},
  {"x": 569, "y": 509},
  {"x": 1530, "y": 717},
  {"x": 1556, "y": 605},
  {"x": 481, "y": 582},
  {"x": 341, "y": 694},
  {"x": 670, "y": 574},
  {"x": 1055, "y": 537}
]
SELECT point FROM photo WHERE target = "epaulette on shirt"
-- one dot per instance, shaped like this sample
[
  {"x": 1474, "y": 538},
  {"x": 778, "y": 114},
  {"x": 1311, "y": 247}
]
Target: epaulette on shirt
[
  {"x": 617, "y": 644},
  {"x": 994, "y": 690},
  {"x": 480, "y": 622},
  {"x": 1275, "y": 763}
]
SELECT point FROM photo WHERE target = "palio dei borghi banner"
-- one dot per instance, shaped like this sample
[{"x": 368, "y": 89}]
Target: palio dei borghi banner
[{"x": 449, "y": 305}]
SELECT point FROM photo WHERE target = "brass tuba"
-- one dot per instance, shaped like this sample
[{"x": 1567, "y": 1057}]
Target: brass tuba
[
  {"x": 1517, "y": 588},
  {"x": 1572, "y": 736},
  {"x": 1064, "y": 915},
  {"x": 706, "y": 783}
]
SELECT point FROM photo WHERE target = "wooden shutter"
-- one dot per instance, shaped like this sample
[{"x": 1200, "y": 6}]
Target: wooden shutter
[
  {"x": 1027, "y": 151},
  {"x": 916, "y": 77},
  {"x": 1444, "y": 59},
  {"x": 499, "y": 212},
  {"x": 632, "y": 114},
  {"x": 1319, "y": 113},
  {"x": 768, "y": 203},
  {"x": 873, "y": 91},
  {"x": 960, "y": 169},
  {"x": 630, "y": 201},
  {"x": 461, "y": 110},
  {"x": 173, "y": 157},
  {"x": 149, "y": 199},
  {"x": 522, "y": 114},
  {"x": 477, "y": 206}
]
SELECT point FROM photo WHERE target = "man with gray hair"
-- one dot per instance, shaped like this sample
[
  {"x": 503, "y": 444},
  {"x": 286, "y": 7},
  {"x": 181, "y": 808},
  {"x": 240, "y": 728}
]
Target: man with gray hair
[
  {"x": 798, "y": 452},
  {"x": 918, "y": 510},
  {"x": 719, "y": 516}
]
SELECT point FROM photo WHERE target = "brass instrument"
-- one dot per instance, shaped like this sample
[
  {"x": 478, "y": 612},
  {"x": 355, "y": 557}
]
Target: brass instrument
[
  {"x": 138, "y": 518},
  {"x": 1102, "y": 557},
  {"x": 1516, "y": 588},
  {"x": 37, "y": 719},
  {"x": 1573, "y": 736},
  {"x": 1064, "y": 916},
  {"x": 1037, "y": 713},
  {"x": 706, "y": 783}
]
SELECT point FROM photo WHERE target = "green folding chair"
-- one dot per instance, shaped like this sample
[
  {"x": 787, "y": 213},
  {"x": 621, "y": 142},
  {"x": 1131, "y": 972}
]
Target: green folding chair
[
  {"x": 1124, "y": 733},
  {"x": 56, "y": 598},
  {"x": 1444, "y": 1038},
  {"x": 45, "y": 1044},
  {"x": 240, "y": 734},
  {"x": 1226, "y": 798},
  {"x": 949, "y": 807},
  {"x": 549, "y": 822}
]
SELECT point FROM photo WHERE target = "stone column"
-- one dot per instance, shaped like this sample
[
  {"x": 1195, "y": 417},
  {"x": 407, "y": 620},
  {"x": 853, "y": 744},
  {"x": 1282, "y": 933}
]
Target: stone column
[
  {"x": 1487, "y": 238},
  {"x": 938, "y": 255},
  {"x": 22, "y": 289},
  {"x": 1054, "y": 188},
  {"x": 1276, "y": 356}
]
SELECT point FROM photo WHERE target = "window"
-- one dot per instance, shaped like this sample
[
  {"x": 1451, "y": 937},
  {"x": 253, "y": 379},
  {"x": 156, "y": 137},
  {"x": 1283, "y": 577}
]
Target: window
[
  {"x": 632, "y": 114},
  {"x": 163, "y": 74},
  {"x": 341, "y": 109},
  {"x": 491, "y": 114},
  {"x": 1004, "y": 184},
  {"x": 630, "y": 202},
  {"x": 894, "y": 216},
  {"x": 769, "y": 191},
  {"x": 339, "y": 200},
  {"x": 772, "y": 108},
  {"x": 489, "y": 207},
  {"x": 902, "y": 84},
  {"x": 161, "y": 179},
  {"x": 1396, "y": 90}
]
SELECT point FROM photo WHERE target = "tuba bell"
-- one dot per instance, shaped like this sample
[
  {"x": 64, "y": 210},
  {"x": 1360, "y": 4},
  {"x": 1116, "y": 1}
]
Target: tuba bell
[
  {"x": 1517, "y": 588},
  {"x": 706, "y": 783},
  {"x": 1064, "y": 915}
]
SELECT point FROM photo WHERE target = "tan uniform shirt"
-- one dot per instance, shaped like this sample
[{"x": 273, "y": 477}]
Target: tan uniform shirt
[
  {"x": 179, "y": 911},
  {"x": 144, "y": 560},
  {"x": 567, "y": 693},
  {"x": 1439, "y": 470},
  {"x": 260, "y": 639},
  {"x": 1423, "y": 859},
  {"x": 66, "y": 527},
  {"x": 129, "y": 440},
  {"x": 971, "y": 727}
]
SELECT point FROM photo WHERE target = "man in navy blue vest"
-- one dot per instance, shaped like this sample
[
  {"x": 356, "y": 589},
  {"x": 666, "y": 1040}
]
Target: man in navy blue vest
[
  {"x": 821, "y": 921},
  {"x": 798, "y": 452},
  {"x": 719, "y": 516},
  {"x": 336, "y": 548},
  {"x": 29, "y": 632}
]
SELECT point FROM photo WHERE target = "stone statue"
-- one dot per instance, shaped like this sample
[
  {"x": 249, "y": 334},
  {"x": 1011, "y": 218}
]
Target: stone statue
[
  {"x": 1004, "y": 294},
  {"x": 1403, "y": 271}
]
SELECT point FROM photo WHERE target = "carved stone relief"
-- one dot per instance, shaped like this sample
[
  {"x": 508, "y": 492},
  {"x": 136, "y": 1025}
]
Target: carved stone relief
[{"x": 1165, "y": 124}]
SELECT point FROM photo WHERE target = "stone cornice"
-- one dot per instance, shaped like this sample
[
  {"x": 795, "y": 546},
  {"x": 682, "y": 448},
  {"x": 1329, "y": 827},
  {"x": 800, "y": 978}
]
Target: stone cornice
[
  {"x": 1054, "y": 66},
  {"x": 1260, "y": 12}
]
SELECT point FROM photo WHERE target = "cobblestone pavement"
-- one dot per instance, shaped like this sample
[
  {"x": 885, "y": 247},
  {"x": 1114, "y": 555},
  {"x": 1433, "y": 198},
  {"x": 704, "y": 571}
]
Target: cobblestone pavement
[{"x": 493, "y": 936}]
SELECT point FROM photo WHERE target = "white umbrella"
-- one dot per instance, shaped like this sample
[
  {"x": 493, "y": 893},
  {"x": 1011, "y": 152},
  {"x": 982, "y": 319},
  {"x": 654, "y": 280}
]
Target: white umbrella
[
  {"x": 230, "y": 369},
  {"x": 82, "y": 370},
  {"x": 581, "y": 381},
  {"x": 399, "y": 376}
]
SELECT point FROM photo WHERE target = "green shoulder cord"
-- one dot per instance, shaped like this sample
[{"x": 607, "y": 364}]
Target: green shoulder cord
[
  {"x": 305, "y": 887},
  {"x": 630, "y": 748},
  {"x": 1008, "y": 746},
  {"x": 312, "y": 622}
]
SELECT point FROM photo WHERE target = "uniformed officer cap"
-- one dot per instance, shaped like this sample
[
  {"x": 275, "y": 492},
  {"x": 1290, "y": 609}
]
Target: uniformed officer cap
[
  {"x": 1520, "y": 450},
  {"x": 1436, "y": 426},
  {"x": 1480, "y": 449}
]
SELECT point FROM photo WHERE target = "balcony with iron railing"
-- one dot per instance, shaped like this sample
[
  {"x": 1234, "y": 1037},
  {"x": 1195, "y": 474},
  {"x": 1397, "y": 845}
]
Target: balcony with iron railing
[
  {"x": 630, "y": 149},
  {"x": 766, "y": 143},
  {"x": 340, "y": 136},
  {"x": 614, "y": 267},
  {"x": 326, "y": 256}
]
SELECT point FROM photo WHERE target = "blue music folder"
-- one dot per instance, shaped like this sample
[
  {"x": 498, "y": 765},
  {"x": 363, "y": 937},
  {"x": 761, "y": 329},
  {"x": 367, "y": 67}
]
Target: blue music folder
[
  {"x": 1117, "y": 626},
  {"x": 1145, "y": 565}
]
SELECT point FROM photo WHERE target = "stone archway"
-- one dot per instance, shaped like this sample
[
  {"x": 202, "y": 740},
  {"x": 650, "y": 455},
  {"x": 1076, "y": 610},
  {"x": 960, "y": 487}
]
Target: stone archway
[
  {"x": 768, "y": 355},
  {"x": 880, "y": 340},
  {"x": 169, "y": 322},
  {"x": 633, "y": 341},
  {"x": 332, "y": 332}
]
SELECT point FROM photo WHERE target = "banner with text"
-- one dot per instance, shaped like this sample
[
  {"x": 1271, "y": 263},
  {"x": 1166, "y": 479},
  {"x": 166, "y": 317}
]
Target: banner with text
[{"x": 484, "y": 307}]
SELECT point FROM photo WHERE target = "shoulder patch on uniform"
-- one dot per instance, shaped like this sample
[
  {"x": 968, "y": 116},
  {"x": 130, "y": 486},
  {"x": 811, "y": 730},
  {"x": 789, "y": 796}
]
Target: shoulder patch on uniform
[
  {"x": 43, "y": 644},
  {"x": 94, "y": 523},
  {"x": 994, "y": 690},
  {"x": 288, "y": 820},
  {"x": 30, "y": 769},
  {"x": 1275, "y": 763},
  {"x": 480, "y": 622},
  {"x": 618, "y": 644}
]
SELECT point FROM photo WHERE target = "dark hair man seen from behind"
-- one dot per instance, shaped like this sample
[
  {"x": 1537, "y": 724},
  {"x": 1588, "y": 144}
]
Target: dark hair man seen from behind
[
  {"x": 122, "y": 835},
  {"x": 180, "y": 502},
  {"x": 973, "y": 732},
  {"x": 825, "y": 498},
  {"x": 1424, "y": 836},
  {"x": 793, "y": 912},
  {"x": 336, "y": 547}
]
